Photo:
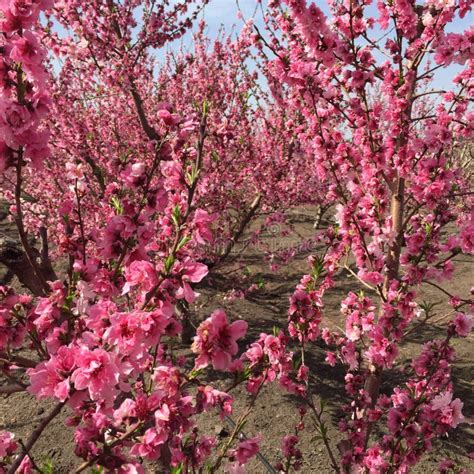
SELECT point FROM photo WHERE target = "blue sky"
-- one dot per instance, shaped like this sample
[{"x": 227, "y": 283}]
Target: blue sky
[
  {"x": 220, "y": 14},
  {"x": 223, "y": 13}
]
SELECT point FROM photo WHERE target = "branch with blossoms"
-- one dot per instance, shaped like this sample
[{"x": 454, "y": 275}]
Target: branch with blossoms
[
  {"x": 376, "y": 150},
  {"x": 146, "y": 166},
  {"x": 101, "y": 335}
]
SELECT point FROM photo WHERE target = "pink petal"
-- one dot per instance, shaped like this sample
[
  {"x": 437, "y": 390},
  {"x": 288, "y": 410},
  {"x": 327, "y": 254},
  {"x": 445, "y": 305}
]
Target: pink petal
[{"x": 238, "y": 329}]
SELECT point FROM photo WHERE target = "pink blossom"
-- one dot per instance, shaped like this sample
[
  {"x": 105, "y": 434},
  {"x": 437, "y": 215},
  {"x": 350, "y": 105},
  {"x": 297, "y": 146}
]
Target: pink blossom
[
  {"x": 374, "y": 461},
  {"x": 467, "y": 237},
  {"x": 150, "y": 445},
  {"x": 131, "y": 468},
  {"x": 350, "y": 355},
  {"x": 130, "y": 182},
  {"x": 331, "y": 359},
  {"x": 97, "y": 371},
  {"x": 234, "y": 468},
  {"x": 18, "y": 14},
  {"x": 167, "y": 381},
  {"x": 52, "y": 378},
  {"x": 168, "y": 118},
  {"x": 216, "y": 341},
  {"x": 456, "y": 412},
  {"x": 125, "y": 411},
  {"x": 203, "y": 449},
  {"x": 190, "y": 272},
  {"x": 142, "y": 274},
  {"x": 376, "y": 278},
  {"x": 15, "y": 120},
  {"x": 134, "y": 332},
  {"x": 246, "y": 450},
  {"x": 445, "y": 466},
  {"x": 463, "y": 324},
  {"x": 27, "y": 50},
  {"x": 74, "y": 171},
  {"x": 26, "y": 466},
  {"x": 304, "y": 312},
  {"x": 202, "y": 221},
  {"x": 7, "y": 445},
  {"x": 288, "y": 445},
  {"x": 450, "y": 410},
  {"x": 209, "y": 397}
]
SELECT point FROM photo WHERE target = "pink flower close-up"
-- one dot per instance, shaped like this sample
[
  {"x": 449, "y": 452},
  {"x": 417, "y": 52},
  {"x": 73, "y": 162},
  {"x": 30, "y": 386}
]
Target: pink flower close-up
[{"x": 216, "y": 341}]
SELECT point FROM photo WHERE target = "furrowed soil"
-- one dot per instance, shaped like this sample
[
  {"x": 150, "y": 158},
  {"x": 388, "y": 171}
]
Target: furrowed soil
[{"x": 276, "y": 413}]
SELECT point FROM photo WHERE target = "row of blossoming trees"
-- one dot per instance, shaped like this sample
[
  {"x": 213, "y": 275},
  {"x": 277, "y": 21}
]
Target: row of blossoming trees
[{"x": 123, "y": 176}]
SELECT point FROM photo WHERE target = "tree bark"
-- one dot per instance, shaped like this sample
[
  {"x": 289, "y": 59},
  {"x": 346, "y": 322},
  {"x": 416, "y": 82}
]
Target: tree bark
[{"x": 13, "y": 256}]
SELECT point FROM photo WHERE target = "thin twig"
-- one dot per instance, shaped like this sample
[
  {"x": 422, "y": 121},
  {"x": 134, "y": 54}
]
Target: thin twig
[
  {"x": 17, "y": 360},
  {"x": 130, "y": 432},
  {"x": 9, "y": 389},
  {"x": 34, "y": 437}
]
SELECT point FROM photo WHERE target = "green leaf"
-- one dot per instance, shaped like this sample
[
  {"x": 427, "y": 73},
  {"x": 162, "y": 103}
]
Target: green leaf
[
  {"x": 190, "y": 177},
  {"x": 183, "y": 242},
  {"x": 176, "y": 215},
  {"x": 297, "y": 360},
  {"x": 47, "y": 466},
  {"x": 318, "y": 267},
  {"x": 215, "y": 156},
  {"x": 428, "y": 307},
  {"x": 117, "y": 205},
  {"x": 169, "y": 263},
  {"x": 246, "y": 373},
  {"x": 195, "y": 373},
  {"x": 69, "y": 300},
  {"x": 205, "y": 108},
  {"x": 177, "y": 469}
]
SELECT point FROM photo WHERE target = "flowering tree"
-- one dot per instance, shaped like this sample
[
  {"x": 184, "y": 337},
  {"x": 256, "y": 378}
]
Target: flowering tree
[
  {"x": 96, "y": 326},
  {"x": 125, "y": 171},
  {"x": 403, "y": 206}
]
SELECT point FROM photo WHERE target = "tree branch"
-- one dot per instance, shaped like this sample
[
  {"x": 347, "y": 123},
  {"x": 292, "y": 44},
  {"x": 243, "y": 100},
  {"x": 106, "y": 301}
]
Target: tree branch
[{"x": 34, "y": 437}]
